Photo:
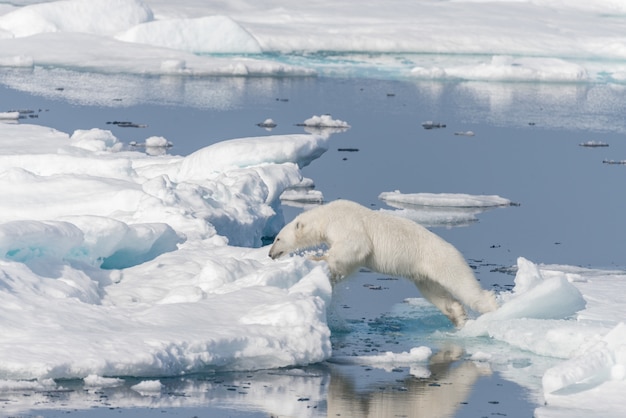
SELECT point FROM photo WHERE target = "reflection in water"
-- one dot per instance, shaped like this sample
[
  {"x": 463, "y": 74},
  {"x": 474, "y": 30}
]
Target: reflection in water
[
  {"x": 440, "y": 395},
  {"x": 431, "y": 216},
  {"x": 124, "y": 90},
  {"x": 285, "y": 392},
  {"x": 552, "y": 105},
  {"x": 547, "y": 105},
  {"x": 315, "y": 391}
]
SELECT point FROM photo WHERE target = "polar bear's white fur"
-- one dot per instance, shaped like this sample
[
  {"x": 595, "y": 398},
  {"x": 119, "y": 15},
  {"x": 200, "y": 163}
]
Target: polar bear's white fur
[{"x": 357, "y": 236}]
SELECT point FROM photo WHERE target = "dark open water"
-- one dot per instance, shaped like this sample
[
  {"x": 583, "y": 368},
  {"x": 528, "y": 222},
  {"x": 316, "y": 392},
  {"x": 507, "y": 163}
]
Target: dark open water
[{"x": 525, "y": 148}]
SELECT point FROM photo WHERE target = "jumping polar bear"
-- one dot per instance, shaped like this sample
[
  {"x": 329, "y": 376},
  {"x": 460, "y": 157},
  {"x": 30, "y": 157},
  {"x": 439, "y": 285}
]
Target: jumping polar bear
[{"x": 357, "y": 236}]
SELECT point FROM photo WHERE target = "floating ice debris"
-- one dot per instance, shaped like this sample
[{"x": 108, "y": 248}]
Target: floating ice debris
[
  {"x": 464, "y": 133},
  {"x": 126, "y": 124},
  {"x": 158, "y": 141},
  {"x": 267, "y": 123},
  {"x": 9, "y": 115},
  {"x": 304, "y": 196},
  {"x": 458, "y": 200},
  {"x": 148, "y": 387},
  {"x": 305, "y": 183},
  {"x": 94, "y": 380},
  {"x": 432, "y": 125},
  {"x": 155, "y": 145},
  {"x": 324, "y": 121},
  {"x": 416, "y": 357},
  {"x": 594, "y": 144},
  {"x": 373, "y": 286},
  {"x": 95, "y": 140}
]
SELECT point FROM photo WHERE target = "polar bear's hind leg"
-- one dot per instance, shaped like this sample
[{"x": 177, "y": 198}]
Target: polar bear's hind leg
[{"x": 443, "y": 300}]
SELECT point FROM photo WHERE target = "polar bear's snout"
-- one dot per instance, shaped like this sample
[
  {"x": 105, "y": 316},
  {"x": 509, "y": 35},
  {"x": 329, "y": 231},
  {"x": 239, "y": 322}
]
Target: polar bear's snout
[
  {"x": 275, "y": 251},
  {"x": 275, "y": 254}
]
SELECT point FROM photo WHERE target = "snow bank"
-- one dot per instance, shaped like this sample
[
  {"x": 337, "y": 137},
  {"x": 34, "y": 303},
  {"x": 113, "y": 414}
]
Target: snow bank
[
  {"x": 136, "y": 248},
  {"x": 102, "y": 17},
  {"x": 210, "y": 34},
  {"x": 95, "y": 140},
  {"x": 242, "y": 152},
  {"x": 553, "y": 41}
]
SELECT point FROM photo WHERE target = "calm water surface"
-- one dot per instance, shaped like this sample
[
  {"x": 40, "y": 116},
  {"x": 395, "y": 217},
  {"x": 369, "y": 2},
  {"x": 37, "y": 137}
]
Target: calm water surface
[{"x": 525, "y": 148}]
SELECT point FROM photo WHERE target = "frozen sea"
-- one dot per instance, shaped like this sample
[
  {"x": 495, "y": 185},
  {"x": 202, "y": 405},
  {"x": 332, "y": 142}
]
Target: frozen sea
[{"x": 140, "y": 193}]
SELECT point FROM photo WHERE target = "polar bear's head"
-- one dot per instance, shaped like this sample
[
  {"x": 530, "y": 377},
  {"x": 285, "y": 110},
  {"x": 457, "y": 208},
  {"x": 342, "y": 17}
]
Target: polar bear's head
[
  {"x": 287, "y": 240},
  {"x": 303, "y": 232}
]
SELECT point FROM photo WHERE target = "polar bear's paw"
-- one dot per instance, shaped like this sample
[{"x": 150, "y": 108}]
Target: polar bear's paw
[{"x": 456, "y": 313}]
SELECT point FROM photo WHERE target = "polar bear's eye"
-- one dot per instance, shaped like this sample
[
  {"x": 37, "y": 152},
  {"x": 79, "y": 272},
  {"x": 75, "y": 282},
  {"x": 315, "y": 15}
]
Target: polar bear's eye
[{"x": 277, "y": 239}]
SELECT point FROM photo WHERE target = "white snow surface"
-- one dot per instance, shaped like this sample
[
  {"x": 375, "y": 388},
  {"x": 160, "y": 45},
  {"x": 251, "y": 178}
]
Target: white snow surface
[
  {"x": 551, "y": 40},
  {"x": 325, "y": 121},
  {"x": 115, "y": 263}
]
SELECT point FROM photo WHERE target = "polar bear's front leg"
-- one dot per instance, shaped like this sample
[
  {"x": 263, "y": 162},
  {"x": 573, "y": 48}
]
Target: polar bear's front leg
[{"x": 345, "y": 257}]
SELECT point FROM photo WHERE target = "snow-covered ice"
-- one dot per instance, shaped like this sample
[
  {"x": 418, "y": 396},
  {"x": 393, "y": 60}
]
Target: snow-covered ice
[
  {"x": 324, "y": 121},
  {"x": 116, "y": 263},
  {"x": 575, "y": 41},
  {"x": 302, "y": 196},
  {"x": 142, "y": 250},
  {"x": 570, "y": 321},
  {"x": 457, "y": 200},
  {"x": 441, "y": 209},
  {"x": 6, "y": 116},
  {"x": 416, "y": 358}
]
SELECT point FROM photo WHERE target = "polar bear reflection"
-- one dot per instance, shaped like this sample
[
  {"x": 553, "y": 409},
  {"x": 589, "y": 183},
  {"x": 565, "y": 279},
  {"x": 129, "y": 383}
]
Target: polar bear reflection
[
  {"x": 439, "y": 396},
  {"x": 357, "y": 236}
]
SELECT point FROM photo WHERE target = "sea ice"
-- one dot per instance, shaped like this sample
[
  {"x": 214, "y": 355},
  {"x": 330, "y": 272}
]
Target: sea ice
[
  {"x": 554, "y": 312},
  {"x": 249, "y": 38},
  {"x": 135, "y": 246},
  {"x": 324, "y": 121},
  {"x": 457, "y": 200},
  {"x": 441, "y": 209},
  {"x": 115, "y": 263},
  {"x": 210, "y": 34}
]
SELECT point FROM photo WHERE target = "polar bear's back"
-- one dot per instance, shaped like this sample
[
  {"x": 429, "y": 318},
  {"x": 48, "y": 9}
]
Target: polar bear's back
[{"x": 402, "y": 246}]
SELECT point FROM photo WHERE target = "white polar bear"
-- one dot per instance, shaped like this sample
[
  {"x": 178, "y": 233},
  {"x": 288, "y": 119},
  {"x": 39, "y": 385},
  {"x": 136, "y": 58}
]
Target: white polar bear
[{"x": 357, "y": 236}]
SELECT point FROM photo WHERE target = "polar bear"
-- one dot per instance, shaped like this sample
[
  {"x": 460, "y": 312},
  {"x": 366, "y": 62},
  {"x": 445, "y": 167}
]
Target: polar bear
[{"x": 357, "y": 236}]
